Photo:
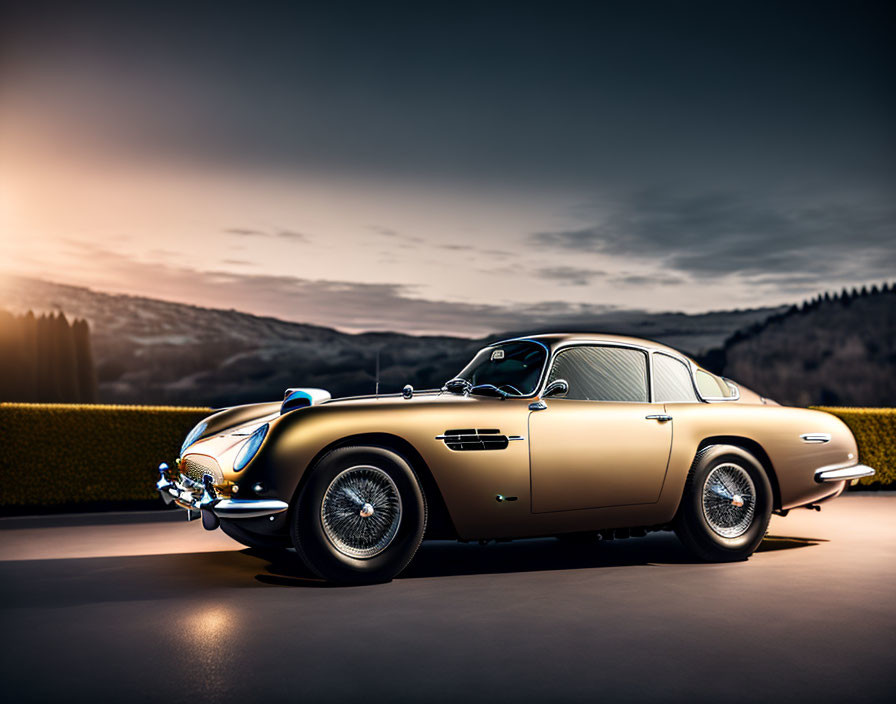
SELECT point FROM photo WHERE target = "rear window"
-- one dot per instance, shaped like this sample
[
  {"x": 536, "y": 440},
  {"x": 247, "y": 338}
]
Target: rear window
[{"x": 711, "y": 386}]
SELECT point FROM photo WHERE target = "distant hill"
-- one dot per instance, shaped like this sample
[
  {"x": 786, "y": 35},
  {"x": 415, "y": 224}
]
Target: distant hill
[
  {"x": 151, "y": 351},
  {"x": 837, "y": 349}
]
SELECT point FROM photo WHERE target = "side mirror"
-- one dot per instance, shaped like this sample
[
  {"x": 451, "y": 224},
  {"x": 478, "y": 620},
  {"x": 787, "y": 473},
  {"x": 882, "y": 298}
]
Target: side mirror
[{"x": 556, "y": 388}]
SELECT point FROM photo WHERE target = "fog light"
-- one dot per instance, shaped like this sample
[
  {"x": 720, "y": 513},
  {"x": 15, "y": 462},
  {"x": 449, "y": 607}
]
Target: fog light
[{"x": 236, "y": 488}]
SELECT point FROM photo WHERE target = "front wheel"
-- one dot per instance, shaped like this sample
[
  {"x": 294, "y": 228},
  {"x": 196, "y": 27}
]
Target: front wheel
[
  {"x": 726, "y": 505},
  {"x": 360, "y": 517}
]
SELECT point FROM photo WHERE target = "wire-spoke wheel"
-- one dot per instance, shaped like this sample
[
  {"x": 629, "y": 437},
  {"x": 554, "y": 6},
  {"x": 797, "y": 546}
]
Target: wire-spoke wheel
[
  {"x": 360, "y": 516},
  {"x": 361, "y": 511},
  {"x": 726, "y": 505},
  {"x": 729, "y": 500}
]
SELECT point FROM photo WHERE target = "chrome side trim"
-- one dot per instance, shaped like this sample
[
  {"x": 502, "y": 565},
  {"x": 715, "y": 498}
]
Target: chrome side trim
[
  {"x": 839, "y": 472},
  {"x": 815, "y": 437}
]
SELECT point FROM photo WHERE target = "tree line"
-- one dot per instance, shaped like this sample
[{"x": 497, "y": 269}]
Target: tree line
[
  {"x": 716, "y": 359},
  {"x": 46, "y": 359}
]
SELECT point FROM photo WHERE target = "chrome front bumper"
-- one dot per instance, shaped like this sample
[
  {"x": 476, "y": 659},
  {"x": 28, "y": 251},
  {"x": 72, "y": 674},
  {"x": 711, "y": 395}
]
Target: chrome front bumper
[
  {"x": 840, "y": 472},
  {"x": 193, "y": 496}
]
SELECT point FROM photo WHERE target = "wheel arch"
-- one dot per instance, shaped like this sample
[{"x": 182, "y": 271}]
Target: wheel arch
[
  {"x": 755, "y": 449},
  {"x": 439, "y": 523}
]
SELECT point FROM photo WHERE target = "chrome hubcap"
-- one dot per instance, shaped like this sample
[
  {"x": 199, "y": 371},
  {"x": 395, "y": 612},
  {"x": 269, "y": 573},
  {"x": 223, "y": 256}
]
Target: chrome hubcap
[
  {"x": 361, "y": 511},
  {"x": 729, "y": 500}
]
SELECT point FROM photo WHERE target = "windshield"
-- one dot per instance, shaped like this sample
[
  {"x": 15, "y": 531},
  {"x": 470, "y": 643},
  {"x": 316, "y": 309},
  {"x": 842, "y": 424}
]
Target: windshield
[{"x": 508, "y": 369}]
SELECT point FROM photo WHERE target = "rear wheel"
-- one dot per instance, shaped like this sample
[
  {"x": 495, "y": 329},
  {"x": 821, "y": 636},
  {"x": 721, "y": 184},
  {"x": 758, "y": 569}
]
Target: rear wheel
[
  {"x": 726, "y": 506},
  {"x": 360, "y": 517}
]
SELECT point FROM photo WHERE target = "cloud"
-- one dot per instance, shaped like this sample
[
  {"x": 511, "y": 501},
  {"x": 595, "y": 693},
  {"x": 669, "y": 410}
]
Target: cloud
[
  {"x": 283, "y": 234},
  {"x": 396, "y": 235},
  {"x": 651, "y": 280},
  {"x": 716, "y": 234},
  {"x": 245, "y": 232},
  {"x": 294, "y": 236},
  {"x": 346, "y": 305},
  {"x": 569, "y": 275}
]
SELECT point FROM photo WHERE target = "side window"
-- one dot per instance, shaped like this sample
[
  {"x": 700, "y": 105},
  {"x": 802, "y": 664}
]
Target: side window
[
  {"x": 672, "y": 381},
  {"x": 711, "y": 386},
  {"x": 602, "y": 373}
]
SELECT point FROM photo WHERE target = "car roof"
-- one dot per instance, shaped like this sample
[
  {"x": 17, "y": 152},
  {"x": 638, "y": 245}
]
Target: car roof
[{"x": 555, "y": 340}]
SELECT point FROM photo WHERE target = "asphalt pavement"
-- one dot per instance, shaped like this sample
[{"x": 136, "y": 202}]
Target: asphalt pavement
[{"x": 146, "y": 607}]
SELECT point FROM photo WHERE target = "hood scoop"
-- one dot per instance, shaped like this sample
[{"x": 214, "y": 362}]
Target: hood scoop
[{"x": 301, "y": 398}]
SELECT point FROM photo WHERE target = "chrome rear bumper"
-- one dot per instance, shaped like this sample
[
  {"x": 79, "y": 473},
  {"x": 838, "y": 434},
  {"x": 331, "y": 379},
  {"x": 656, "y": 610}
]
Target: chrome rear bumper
[
  {"x": 193, "y": 496},
  {"x": 839, "y": 472}
]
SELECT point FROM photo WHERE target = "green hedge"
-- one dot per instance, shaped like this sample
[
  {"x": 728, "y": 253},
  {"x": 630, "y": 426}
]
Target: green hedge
[
  {"x": 62, "y": 454},
  {"x": 875, "y": 432}
]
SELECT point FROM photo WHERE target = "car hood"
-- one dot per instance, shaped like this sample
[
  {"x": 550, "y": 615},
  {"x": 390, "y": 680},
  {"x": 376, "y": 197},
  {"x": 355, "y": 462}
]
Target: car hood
[{"x": 230, "y": 427}]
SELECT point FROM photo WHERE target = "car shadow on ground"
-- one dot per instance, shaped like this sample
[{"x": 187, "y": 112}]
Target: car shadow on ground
[
  {"x": 82, "y": 581},
  {"x": 787, "y": 542},
  {"x": 450, "y": 558}
]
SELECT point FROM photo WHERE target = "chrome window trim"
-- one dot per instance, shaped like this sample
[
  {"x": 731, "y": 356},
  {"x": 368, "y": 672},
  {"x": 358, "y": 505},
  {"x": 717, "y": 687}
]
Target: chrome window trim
[
  {"x": 649, "y": 350},
  {"x": 558, "y": 349}
]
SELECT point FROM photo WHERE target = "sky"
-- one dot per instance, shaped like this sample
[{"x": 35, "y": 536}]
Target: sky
[{"x": 421, "y": 166}]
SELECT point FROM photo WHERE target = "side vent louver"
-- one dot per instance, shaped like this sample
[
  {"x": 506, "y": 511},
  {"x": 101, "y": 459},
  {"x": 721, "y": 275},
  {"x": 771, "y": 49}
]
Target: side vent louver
[{"x": 488, "y": 439}]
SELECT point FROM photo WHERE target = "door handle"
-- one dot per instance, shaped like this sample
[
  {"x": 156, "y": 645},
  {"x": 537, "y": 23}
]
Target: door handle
[{"x": 661, "y": 417}]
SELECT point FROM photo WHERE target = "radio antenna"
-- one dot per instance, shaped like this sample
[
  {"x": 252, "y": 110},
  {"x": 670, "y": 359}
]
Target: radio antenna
[{"x": 376, "y": 388}]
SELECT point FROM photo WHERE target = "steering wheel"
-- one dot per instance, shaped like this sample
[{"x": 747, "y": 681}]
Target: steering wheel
[{"x": 512, "y": 389}]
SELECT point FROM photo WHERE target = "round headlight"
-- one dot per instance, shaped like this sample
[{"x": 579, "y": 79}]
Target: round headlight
[
  {"x": 193, "y": 436},
  {"x": 249, "y": 448}
]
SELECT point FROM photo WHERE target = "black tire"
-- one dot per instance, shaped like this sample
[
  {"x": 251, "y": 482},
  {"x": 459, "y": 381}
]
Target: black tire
[
  {"x": 254, "y": 540},
  {"x": 702, "y": 524},
  {"x": 320, "y": 546}
]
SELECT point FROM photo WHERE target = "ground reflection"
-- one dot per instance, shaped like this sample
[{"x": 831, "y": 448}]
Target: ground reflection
[
  {"x": 209, "y": 623},
  {"x": 210, "y": 636}
]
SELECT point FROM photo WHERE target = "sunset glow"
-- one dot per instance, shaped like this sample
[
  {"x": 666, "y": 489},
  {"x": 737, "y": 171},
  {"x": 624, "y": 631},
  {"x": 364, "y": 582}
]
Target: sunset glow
[{"x": 131, "y": 168}]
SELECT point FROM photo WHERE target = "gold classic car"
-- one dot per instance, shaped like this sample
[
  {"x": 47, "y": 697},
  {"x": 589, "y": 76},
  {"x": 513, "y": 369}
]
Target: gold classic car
[{"x": 550, "y": 435}]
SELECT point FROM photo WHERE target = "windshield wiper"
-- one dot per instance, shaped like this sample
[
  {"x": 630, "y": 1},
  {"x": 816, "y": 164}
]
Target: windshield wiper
[{"x": 458, "y": 385}]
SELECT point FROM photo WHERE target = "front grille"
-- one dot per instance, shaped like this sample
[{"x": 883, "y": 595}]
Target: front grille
[
  {"x": 195, "y": 467},
  {"x": 474, "y": 439}
]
